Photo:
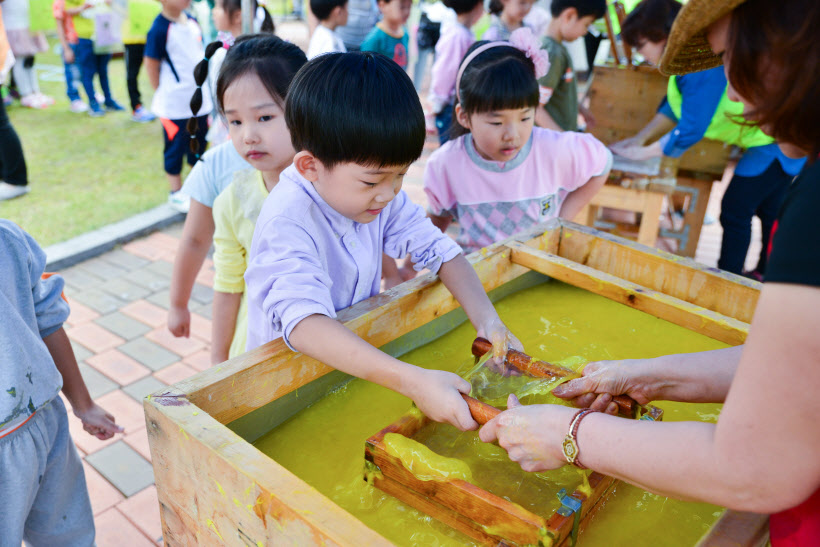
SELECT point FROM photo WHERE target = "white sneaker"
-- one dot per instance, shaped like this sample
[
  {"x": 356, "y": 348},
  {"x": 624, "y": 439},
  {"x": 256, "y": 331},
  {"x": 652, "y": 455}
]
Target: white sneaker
[
  {"x": 78, "y": 106},
  {"x": 179, "y": 201},
  {"x": 9, "y": 191}
]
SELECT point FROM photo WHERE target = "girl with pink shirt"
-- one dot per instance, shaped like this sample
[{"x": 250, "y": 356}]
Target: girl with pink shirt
[{"x": 499, "y": 174}]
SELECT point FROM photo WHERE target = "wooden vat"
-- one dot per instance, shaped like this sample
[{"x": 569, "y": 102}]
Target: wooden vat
[{"x": 215, "y": 488}]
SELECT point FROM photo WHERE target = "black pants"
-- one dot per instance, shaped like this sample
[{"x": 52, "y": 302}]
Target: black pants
[
  {"x": 133, "y": 63},
  {"x": 744, "y": 198},
  {"x": 12, "y": 162}
]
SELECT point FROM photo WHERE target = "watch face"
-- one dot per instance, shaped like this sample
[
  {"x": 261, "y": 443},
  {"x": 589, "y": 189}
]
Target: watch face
[{"x": 570, "y": 449}]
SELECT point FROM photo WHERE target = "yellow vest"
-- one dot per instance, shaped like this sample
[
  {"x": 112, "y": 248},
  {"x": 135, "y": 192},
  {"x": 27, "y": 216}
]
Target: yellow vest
[{"x": 722, "y": 127}]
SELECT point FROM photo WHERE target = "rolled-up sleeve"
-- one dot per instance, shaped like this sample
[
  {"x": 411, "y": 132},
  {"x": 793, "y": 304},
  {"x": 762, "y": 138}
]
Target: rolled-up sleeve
[
  {"x": 286, "y": 277},
  {"x": 408, "y": 232},
  {"x": 229, "y": 254}
]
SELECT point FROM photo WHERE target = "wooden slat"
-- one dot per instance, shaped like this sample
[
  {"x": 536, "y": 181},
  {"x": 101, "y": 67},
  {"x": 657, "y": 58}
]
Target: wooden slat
[
  {"x": 707, "y": 322},
  {"x": 710, "y": 288},
  {"x": 216, "y": 489}
]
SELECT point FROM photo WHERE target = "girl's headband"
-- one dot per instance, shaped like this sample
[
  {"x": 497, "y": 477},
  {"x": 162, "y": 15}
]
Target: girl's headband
[{"x": 522, "y": 39}]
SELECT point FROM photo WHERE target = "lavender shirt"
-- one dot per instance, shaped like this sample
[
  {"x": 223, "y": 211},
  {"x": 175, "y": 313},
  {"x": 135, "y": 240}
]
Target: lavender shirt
[{"x": 306, "y": 258}]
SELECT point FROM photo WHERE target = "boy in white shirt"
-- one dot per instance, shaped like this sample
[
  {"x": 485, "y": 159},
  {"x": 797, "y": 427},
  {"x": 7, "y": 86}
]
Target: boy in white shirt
[{"x": 331, "y": 14}]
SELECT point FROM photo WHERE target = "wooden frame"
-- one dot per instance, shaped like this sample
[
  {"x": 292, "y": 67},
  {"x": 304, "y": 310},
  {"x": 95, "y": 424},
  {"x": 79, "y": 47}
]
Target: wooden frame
[{"x": 215, "y": 488}]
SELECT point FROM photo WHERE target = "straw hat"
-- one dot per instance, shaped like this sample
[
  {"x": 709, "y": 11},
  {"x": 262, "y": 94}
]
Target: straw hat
[{"x": 687, "y": 49}]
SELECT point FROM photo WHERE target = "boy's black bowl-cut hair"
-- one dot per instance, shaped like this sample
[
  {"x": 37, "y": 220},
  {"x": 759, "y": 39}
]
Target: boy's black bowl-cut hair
[{"x": 356, "y": 107}]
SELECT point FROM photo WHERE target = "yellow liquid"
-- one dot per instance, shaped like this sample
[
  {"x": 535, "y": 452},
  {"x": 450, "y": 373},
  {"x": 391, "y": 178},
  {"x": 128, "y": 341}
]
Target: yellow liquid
[{"x": 324, "y": 444}]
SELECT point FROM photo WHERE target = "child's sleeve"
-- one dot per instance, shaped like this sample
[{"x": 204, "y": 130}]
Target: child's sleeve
[
  {"x": 440, "y": 197},
  {"x": 371, "y": 42},
  {"x": 229, "y": 254},
  {"x": 286, "y": 278},
  {"x": 24, "y": 263},
  {"x": 58, "y": 9},
  {"x": 409, "y": 232},
  {"x": 155, "y": 41},
  {"x": 590, "y": 158}
]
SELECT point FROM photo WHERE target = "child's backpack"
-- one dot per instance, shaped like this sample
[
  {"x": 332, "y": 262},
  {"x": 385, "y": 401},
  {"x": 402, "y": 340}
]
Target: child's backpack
[{"x": 428, "y": 33}]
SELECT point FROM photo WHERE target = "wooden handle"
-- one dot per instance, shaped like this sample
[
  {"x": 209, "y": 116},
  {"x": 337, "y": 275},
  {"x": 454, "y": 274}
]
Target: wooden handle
[
  {"x": 627, "y": 406},
  {"x": 482, "y": 412}
]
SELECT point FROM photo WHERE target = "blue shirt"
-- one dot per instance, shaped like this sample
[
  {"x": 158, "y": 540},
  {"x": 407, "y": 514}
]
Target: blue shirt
[
  {"x": 31, "y": 309},
  {"x": 381, "y": 42},
  {"x": 701, "y": 93},
  {"x": 213, "y": 173},
  {"x": 308, "y": 259}
]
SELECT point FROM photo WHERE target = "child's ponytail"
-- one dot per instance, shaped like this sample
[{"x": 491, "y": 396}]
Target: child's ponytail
[
  {"x": 267, "y": 20},
  {"x": 495, "y": 7},
  {"x": 200, "y": 76}
]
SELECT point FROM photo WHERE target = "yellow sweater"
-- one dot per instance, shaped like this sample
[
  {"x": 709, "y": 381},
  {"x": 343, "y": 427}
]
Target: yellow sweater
[{"x": 235, "y": 212}]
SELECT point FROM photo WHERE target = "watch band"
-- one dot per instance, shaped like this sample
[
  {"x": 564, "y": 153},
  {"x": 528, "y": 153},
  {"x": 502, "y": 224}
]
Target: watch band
[{"x": 570, "y": 445}]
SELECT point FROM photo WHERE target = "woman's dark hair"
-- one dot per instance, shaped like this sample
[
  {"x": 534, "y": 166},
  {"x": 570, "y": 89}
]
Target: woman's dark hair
[
  {"x": 274, "y": 60},
  {"x": 650, "y": 20},
  {"x": 233, "y": 6},
  {"x": 355, "y": 108},
  {"x": 774, "y": 63},
  {"x": 499, "y": 78},
  {"x": 596, "y": 8},
  {"x": 495, "y": 7},
  {"x": 462, "y": 6}
]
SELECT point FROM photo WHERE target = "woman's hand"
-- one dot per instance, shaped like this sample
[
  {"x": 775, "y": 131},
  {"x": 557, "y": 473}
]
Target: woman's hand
[
  {"x": 638, "y": 152},
  {"x": 631, "y": 142},
  {"x": 604, "y": 379},
  {"x": 531, "y": 435}
]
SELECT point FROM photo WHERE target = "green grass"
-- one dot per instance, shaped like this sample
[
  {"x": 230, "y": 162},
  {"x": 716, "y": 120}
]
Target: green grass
[{"x": 84, "y": 172}]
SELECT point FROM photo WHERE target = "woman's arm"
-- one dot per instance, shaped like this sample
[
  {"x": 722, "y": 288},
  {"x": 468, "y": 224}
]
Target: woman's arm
[
  {"x": 703, "y": 377},
  {"x": 197, "y": 235},
  {"x": 761, "y": 456}
]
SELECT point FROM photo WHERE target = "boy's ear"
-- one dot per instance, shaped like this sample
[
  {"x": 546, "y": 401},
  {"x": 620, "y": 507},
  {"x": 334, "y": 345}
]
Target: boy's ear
[
  {"x": 307, "y": 165},
  {"x": 569, "y": 15},
  {"x": 462, "y": 117}
]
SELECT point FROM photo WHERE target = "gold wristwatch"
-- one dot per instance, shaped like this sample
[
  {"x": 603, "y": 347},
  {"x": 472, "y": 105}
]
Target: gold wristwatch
[{"x": 570, "y": 445}]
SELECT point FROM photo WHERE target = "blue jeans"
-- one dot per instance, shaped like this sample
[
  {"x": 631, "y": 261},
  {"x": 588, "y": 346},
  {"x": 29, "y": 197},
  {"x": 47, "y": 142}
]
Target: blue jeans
[
  {"x": 444, "y": 120},
  {"x": 72, "y": 74},
  {"x": 90, "y": 64}
]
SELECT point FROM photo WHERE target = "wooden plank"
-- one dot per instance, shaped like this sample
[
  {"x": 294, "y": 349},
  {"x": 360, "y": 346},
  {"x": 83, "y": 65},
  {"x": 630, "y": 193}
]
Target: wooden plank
[
  {"x": 699, "y": 190},
  {"x": 710, "y": 288},
  {"x": 685, "y": 314},
  {"x": 737, "y": 529},
  {"x": 215, "y": 489}
]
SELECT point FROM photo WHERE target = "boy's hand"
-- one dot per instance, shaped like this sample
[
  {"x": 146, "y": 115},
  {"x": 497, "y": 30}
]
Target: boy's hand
[
  {"x": 179, "y": 321},
  {"x": 438, "y": 394},
  {"x": 68, "y": 55},
  {"x": 503, "y": 340},
  {"x": 98, "y": 422}
]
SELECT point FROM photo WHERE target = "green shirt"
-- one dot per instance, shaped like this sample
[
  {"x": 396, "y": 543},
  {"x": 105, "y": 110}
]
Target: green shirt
[
  {"x": 560, "y": 87},
  {"x": 83, "y": 25},
  {"x": 381, "y": 42}
]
